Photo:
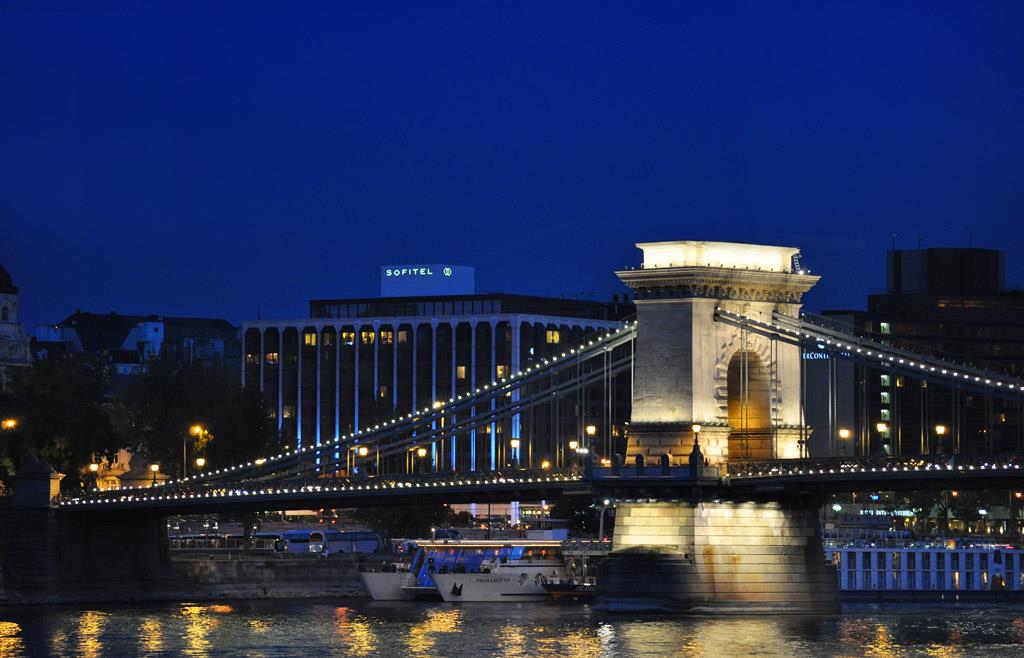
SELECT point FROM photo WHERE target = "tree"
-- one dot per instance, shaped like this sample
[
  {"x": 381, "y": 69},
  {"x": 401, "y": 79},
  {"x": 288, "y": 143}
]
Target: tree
[
  {"x": 63, "y": 416},
  {"x": 161, "y": 405}
]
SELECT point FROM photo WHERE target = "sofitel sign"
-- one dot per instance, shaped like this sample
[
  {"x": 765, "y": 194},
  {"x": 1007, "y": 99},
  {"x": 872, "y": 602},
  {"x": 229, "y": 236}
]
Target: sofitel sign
[
  {"x": 426, "y": 280},
  {"x": 426, "y": 270}
]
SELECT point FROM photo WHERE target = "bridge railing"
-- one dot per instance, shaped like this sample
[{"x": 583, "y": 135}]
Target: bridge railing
[
  {"x": 882, "y": 464},
  {"x": 327, "y": 486}
]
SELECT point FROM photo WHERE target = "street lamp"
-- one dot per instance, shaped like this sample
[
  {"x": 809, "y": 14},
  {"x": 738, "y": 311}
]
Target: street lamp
[
  {"x": 94, "y": 467},
  {"x": 573, "y": 444},
  {"x": 196, "y": 431},
  {"x": 940, "y": 430},
  {"x": 200, "y": 462},
  {"x": 363, "y": 451},
  {"x": 844, "y": 435},
  {"x": 155, "y": 468},
  {"x": 600, "y": 528},
  {"x": 8, "y": 424},
  {"x": 545, "y": 464},
  {"x": 421, "y": 452}
]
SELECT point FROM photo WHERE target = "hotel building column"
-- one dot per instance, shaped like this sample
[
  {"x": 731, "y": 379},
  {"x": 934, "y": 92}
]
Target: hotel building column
[
  {"x": 433, "y": 392},
  {"x": 280, "y": 382},
  {"x": 514, "y": 367},
  {"x": 357, "y": 338},
  {"x": 298, "y": 386},
  {"x": 494, "y": 401},
  {"x": 319, "y": 355},
  {"x": 472, "y": 391},
  {"x": 451, "y": 419}
]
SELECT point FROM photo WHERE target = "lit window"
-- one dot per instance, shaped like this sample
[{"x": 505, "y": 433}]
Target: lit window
[
  {"x": 899, "y": 382},
  {"x": 886, "y": 414},
  {"x": 460, "y": 372},
  {"x": 501, "y": 371},
  {"x": 403, "y": 336},
  {"x": 884, "y": 380},
  {"x": 348, "y": 337},
  {"x": 328, "y": 339},
  {"x": 288, "y": 411},
  {"x": 382, "y": 392},
  {"x": 252, "y": 358},
  {"x": 884, "y": 328},
  {"x": 367, "y": 337},
  {"x": 387, "y": 337},
  {"x": 553, "y": 337},
  {"x": 309, "y": 339},
  {"x": 885, "y": 397}
]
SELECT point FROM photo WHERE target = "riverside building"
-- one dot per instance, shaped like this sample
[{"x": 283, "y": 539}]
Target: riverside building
[
  {"x": 944, "y": 301},
  {"x": 357, "y": 362}
]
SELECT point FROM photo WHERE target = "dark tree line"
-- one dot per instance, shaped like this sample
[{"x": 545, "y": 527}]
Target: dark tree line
[{"x": 67, "y": 414}]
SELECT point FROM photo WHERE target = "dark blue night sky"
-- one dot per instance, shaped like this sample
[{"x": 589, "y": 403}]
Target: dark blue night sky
[{"x": 205, "y": 159}]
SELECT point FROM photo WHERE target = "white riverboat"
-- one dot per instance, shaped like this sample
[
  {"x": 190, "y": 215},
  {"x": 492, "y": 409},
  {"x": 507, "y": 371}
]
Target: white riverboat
[
  {"x": 484, "y": 570},
  {"x": 403, "y": 580},
  {"x": 501, "y": 571}
]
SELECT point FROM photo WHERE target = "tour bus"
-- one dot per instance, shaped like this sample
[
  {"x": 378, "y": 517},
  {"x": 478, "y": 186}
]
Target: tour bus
[{"x": 327, "y": 542}]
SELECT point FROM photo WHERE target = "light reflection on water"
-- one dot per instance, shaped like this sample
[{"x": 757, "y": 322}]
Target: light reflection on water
[{"x": 418, "y": 630}]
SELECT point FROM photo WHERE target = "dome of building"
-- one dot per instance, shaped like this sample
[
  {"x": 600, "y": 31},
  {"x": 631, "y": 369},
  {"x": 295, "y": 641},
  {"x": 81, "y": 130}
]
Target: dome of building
[{"x": 7, "y": 286}]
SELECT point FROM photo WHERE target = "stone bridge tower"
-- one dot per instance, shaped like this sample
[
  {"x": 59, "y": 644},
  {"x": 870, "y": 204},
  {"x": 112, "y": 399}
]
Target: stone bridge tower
[
  {"x": 740, "y": 388},
  {"x": 717, "y": 555}
]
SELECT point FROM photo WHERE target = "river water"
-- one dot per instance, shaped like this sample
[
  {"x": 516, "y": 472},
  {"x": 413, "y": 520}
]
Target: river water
[{"x": 414, "y": 630}]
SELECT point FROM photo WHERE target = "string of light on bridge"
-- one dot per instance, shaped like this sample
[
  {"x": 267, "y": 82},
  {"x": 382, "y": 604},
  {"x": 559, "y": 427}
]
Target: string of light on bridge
[
  {"x": 150, "y": 495},
  {"x": 877, "y": 353},
  {"x": 776, "y": 469},
  {"x": 437, "y": 408}
]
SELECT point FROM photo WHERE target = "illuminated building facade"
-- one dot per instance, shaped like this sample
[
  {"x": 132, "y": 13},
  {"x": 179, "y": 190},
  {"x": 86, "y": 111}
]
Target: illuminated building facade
[{"x": 357, "y": 362}]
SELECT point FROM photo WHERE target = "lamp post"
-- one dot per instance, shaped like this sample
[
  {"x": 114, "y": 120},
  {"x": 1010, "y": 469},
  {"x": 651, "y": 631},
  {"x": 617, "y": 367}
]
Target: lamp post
[
  {"x": 940, "y": 431},
  {"x": 600, "y": 527},
  {"x": 200, "y": 462},
  {"x": 8, "y": 424},
  {"x": 154, "y": 468},
  {"x": 196, "y": 431},
  {"x": 353, "y": 453},
  {"x": 1018, "y": 495},
  {"x": 844, "y": 436},
  {"x": 514, "y": 444},
  {"x": 883, "y": 430}
]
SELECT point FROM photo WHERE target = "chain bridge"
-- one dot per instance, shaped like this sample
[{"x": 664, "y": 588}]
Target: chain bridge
[{"x": 714, "y": 466}]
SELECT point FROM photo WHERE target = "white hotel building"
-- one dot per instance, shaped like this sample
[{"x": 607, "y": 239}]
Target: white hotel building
[{"x": 356, "y": 362}]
